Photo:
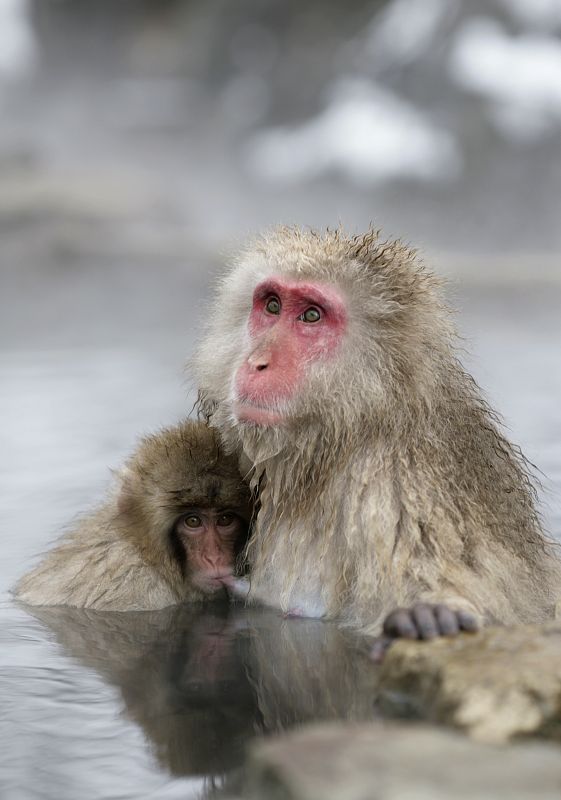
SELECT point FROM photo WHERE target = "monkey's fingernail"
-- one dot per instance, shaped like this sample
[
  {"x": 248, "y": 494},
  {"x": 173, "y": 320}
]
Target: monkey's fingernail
[{"x": 468, "y": 622}]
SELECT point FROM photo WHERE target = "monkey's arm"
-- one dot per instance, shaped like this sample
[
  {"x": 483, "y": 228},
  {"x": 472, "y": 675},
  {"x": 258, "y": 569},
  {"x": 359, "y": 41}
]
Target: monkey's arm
[{"x": 93, "y": 568}]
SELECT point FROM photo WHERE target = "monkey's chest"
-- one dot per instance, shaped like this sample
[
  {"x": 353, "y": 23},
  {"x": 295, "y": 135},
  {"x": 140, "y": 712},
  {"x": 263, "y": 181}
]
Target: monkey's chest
[
  {"x": 305, "y": 604},
  {"x": 291, "y": 579},
  {"x": 296, "y": 602}
]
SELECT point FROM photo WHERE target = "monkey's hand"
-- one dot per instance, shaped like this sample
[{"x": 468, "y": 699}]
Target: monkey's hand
[{"x": 422, "y": 621}]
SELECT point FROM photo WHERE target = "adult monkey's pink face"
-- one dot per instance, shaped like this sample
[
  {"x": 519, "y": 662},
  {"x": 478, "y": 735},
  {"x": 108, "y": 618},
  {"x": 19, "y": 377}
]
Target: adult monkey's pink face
[{"x": 292, "y": 325}]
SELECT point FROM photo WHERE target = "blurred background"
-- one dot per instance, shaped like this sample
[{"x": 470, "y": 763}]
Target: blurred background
[{"x": 142, "y": 140}]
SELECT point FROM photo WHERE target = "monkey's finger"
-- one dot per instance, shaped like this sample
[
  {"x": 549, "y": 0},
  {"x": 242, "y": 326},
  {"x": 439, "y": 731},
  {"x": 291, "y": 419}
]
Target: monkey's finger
[
  {"x": 399, "y": 624},
  {"x": 380, "y": 648},
  {"x": 425, "y": 621},
  {"x": 468, "y": 622},
  {"x": 447, "y": 620}
]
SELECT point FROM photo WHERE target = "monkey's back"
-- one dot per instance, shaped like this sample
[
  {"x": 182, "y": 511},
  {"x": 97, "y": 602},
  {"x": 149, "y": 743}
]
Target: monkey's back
[{"x": 94, "y": 567}]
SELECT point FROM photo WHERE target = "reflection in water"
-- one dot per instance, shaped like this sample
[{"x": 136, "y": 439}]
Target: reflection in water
[{"x": 201, "y": 683}]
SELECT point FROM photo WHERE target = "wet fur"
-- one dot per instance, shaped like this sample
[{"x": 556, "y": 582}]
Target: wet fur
[{"x": 391, "y": 481}]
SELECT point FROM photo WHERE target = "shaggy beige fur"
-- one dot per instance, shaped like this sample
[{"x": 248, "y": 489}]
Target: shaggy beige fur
[
  {"x": 390, "y": 481},
  {"x": 123, "y": 556}
]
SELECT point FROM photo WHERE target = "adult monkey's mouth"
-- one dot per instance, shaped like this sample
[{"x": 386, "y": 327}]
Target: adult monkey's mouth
[{"x": 246, "y": 410}]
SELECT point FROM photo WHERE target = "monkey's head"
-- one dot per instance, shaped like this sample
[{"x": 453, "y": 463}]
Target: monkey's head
[
  {"x": 325, "y": 330},
  {"x": 183, "y": 503}
]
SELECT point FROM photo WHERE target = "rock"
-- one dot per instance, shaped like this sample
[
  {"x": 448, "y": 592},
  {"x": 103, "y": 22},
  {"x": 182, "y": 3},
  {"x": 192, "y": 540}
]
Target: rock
[
  {"x": 497, "y": 684},
  {"x": 398, "y": 761}
]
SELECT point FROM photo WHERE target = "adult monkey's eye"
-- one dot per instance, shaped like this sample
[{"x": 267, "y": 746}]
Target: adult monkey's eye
[
  {"x": 273, "y": 305},
  {"x": 311, "y": 315}
]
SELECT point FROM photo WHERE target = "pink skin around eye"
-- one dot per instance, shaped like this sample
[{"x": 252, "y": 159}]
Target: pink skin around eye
[{"x": 283, "y": 344}]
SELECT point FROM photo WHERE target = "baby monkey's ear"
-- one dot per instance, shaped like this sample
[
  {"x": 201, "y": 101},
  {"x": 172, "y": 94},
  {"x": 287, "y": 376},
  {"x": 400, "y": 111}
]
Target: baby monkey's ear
[{"x": 125, "y": 490}]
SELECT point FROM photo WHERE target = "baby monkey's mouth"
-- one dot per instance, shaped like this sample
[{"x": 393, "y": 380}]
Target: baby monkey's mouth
[{"x": 212, "y": 584}]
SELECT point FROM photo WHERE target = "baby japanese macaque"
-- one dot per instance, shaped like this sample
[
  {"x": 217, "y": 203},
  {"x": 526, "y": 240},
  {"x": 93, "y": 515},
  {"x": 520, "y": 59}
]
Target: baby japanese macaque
[{"x": 170, "y": 532}]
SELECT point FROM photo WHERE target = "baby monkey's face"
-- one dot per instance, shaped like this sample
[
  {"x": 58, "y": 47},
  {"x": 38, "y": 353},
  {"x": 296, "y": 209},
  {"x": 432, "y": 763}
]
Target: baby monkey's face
[{"x": 212, "y": 538}]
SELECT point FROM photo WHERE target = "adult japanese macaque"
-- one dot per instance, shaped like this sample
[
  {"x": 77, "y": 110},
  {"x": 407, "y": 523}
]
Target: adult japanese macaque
[
  {"x": 388, "y": 496},
  {"x": 170, "y": 532}
]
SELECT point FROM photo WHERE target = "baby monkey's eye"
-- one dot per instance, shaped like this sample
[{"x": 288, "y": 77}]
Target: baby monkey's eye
[
  {"x": 311, "y": 314},
  {"x": 192, "y": 521},
  {"x": 273, "y": 305},
  {"x": 225, "y": 519}
]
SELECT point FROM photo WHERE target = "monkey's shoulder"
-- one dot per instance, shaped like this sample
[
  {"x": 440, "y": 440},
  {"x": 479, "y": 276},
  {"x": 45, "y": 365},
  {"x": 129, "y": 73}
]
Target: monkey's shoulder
[{"x": 93, "y": 568}]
